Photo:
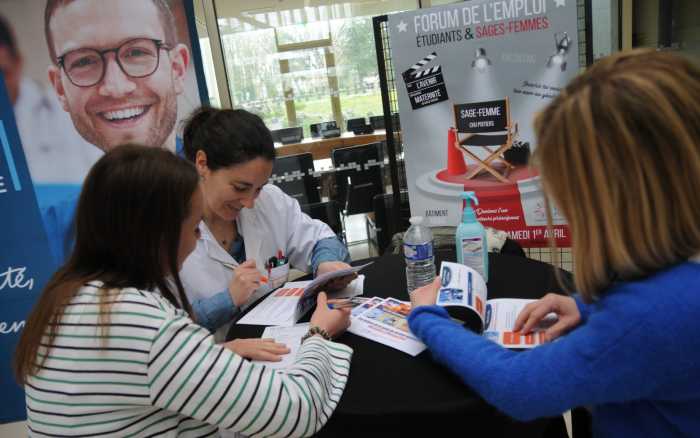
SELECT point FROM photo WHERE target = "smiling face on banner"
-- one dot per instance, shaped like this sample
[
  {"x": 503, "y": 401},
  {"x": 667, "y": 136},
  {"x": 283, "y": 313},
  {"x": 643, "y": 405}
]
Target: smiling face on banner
[{"x": 119, "y": 108}]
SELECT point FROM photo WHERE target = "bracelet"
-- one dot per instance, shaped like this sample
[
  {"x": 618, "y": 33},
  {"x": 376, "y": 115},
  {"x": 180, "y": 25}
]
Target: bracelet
[{"x": 316, "y": 330}]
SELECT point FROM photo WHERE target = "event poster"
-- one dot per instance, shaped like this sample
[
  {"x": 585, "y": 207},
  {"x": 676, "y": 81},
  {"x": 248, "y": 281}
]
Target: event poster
[
  {"x": 470, "y": 78},
  {"x": 96, "y": 75}
]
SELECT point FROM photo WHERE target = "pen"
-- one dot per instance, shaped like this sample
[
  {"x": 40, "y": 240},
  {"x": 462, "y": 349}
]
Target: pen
[
  {"x": 263, "y": 279},
  {"x": 349, "y": 302}
]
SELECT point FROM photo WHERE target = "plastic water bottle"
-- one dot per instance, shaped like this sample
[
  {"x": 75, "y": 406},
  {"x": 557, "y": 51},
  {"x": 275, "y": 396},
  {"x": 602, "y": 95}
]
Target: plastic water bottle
[{"x": 418, "y": 253}]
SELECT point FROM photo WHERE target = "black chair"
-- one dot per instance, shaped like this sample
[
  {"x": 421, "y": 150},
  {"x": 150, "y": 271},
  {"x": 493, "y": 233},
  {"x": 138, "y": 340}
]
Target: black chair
[
  {"x": 377, "y": 122},
  {"x": 383, "y": 220},
  {"x": 324, "y": 129},
  {"x": 358, "y": 177},
  {"x": 328, "y": 213},
  {"x": 294, "y": 174},
  {"x": 359, "y": 126},
  {"x": 396, "y": 122},
  {"x": 288, "y": 135}
]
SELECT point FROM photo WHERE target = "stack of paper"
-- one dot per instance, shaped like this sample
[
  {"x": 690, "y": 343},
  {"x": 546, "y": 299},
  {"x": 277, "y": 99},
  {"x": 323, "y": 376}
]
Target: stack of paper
[{"x": 286, "y": 305}]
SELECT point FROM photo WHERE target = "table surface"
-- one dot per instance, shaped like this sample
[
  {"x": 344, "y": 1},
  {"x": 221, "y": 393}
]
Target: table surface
[{"x": 386, "y": 385}]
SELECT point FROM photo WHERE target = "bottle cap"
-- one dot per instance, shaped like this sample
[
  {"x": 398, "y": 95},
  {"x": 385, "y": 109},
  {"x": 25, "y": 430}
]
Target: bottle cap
[
  {"x": 416, "y": 220},
  {"x": 468, "y": 215}
]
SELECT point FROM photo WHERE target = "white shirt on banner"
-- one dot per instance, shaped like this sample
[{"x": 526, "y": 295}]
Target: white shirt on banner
[{"x": 55, "y": 152}]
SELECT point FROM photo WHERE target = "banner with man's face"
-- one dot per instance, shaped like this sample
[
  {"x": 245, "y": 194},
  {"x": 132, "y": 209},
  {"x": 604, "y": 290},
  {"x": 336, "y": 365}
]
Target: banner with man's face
[{"x": 82, "y": 77}]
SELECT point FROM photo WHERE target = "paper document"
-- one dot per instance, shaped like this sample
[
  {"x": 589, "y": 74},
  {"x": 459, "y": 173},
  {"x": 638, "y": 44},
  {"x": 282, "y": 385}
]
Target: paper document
[
  {"x": 463, "y": 293},
  {"x": 289, "y": 336},
  {"x": 278, "y": 308},
  {"x": 386, "y": 321},
  {"x": 286, "y": 305},
  {"x": 325, "y": 278},
  {"x": 501, "y": 314}
]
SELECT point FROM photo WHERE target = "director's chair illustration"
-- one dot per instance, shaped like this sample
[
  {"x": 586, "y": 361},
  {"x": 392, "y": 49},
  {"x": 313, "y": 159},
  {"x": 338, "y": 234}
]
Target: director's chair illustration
[{"x": 486, "y": 125}]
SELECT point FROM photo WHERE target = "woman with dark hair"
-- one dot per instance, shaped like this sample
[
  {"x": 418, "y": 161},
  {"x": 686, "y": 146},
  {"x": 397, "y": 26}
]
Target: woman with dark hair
[
  {"x": 246, "y": 221},
  {"x": 619, "y": 154},
  {"x": 110, "y": 349}
]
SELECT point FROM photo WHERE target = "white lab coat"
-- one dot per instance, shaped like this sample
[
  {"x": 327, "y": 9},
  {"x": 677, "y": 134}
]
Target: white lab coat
[{"x": 275, "y": 223}]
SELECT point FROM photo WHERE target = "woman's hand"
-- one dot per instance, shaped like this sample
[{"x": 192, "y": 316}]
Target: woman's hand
[
  {"x": 534, "y": 313},
  {"x": 339, "y": 283},
  {"x": 334, "y": 321},
  {"x": 425, "y": 295},
  {"x": 258, "y": 349},
  {"x": 246, "y": 278}
]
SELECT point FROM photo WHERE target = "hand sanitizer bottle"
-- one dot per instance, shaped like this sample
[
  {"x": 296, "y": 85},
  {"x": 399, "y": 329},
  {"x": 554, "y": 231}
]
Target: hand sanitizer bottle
[{"x": 470, "y": 239}]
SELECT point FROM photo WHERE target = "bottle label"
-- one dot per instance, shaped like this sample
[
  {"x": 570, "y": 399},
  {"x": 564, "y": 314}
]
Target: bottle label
[
  {"x": 472, "y": 254},
  {"x": 418, "y": 252},
  {"x": 472, "y": 246}
]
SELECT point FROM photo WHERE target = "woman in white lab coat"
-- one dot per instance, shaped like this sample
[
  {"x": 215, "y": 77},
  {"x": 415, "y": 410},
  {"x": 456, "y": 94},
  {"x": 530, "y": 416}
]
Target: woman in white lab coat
[{"x": 246, "y": 221}]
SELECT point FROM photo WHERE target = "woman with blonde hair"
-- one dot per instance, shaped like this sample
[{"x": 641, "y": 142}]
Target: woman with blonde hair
[
  {"x": 108, "y": 349},
  {"x": 619, "y": 155}
]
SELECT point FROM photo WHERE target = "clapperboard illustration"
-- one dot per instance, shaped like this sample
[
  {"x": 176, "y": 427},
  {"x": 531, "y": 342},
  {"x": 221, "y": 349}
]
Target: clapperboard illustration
[{"x": 425, "y": 85}]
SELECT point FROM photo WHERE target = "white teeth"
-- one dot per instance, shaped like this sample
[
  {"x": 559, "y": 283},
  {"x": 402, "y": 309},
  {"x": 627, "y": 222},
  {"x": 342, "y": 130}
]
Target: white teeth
[{"x": 124, "y": 114}]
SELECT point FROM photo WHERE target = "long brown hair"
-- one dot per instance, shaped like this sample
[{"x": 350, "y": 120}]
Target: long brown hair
[
  {"x": 128, "y": 222},
  {"x": 619, "y": 155}
]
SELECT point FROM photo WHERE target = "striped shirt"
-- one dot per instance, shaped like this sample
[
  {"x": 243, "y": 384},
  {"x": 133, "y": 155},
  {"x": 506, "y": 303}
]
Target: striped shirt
[{"x": 156, "y": 373}]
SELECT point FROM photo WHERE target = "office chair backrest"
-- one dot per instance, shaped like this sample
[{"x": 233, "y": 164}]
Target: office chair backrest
[
  {"x": 359, "y": 126},
  {"x": 326, "y": 212},
  {"x": 288, "y": 135},
  {"x": 383, "y": 206},
  {"x": 358, "y": 176},
  {"x": 377, "y": 122},
  {"x": 324, "y": 129},
  {"x": 294, "y": 175}
]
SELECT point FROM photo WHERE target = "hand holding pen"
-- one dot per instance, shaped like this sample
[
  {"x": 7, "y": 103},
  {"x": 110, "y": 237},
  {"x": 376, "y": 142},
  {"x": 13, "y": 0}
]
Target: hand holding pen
[{"x": 246, "y": 279}]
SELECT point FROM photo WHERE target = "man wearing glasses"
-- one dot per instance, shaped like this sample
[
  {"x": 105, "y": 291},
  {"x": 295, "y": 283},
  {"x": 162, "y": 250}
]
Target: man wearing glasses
[{"x": 117, "y": 69}]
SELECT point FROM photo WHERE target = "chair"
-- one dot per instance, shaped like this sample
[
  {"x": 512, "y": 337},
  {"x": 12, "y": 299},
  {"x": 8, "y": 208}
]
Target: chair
[
  {"x": 288, "y": 135},
  {"x": 359, "y": 126},
  {"x": 324, "y": 129},
  {"x": 486, "y": 125},
  {"x": 358, "y": 177},
  {"x": 294, "y": 174},
  {"x": 377, "y": 122},
  {"x": 328, "y": 213},
  {"x": 382, "y": 225}
]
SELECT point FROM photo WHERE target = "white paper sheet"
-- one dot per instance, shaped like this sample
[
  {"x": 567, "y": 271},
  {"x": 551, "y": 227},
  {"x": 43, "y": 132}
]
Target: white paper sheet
[
  {"x": 386, "y": 321},
  {"x": 278, "y": 308},
  {"x": 289, "y": 336}
]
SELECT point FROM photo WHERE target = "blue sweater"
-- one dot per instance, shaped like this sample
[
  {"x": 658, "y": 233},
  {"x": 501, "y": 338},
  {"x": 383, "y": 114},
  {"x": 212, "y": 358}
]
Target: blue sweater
[{"x": 635, "y": 357}]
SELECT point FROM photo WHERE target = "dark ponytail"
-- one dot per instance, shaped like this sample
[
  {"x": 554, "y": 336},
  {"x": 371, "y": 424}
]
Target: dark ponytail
[{"x": 228, "y": 137}]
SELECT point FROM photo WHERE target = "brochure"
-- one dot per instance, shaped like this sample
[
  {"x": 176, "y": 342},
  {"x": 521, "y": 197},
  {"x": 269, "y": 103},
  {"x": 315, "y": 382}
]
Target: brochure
[
  {"x": 463, "y": 294},
  {"x": 286, "y": 305},
  {"x": 289, "y": 336},
  {"x": 385, "y": 320}
]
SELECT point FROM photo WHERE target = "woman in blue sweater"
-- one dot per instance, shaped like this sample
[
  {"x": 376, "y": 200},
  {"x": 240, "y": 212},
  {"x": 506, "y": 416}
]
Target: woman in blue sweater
[{"x": 619, "y": 154}]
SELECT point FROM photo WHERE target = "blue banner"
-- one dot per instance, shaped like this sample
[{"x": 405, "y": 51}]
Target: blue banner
[
  {"x": 25, "y": 260},
  {"x": 59, "y": 117}
]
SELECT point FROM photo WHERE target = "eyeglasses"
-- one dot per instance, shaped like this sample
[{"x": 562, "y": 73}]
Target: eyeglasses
[{"x": 137, "y": 58}]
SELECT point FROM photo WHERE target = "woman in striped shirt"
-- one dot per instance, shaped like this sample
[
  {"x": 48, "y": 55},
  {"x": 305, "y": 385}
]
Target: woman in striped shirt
[{"x": 109, "y": 351}]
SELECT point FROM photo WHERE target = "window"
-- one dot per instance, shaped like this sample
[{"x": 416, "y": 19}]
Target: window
[{"x": 296, "y": 65}]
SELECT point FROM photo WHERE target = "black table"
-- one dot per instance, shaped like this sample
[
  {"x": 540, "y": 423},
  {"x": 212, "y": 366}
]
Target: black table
[{"x": 394, "y": 394}]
